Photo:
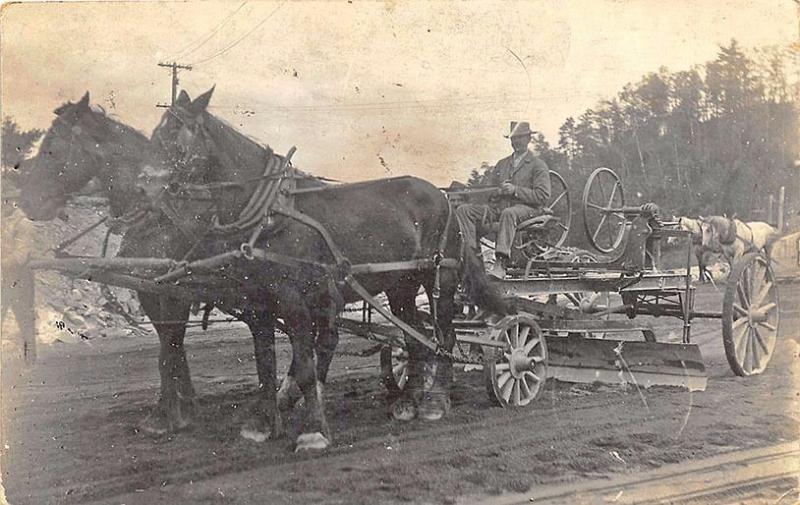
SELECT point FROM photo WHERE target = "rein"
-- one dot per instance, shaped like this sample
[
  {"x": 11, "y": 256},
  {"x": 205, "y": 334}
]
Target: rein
[{"x": 746, "y": 241}]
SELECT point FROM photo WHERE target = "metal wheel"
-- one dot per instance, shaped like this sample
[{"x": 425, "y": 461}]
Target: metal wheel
[
  {"x": 533, "y": 244},
  {"x": 602, "y": 197},
  {"x": 394, "y": 368},
  {"x": 750, "y": 315},
  {"x": 560, "y": 206},
  {"x": 514, "y": 376}
]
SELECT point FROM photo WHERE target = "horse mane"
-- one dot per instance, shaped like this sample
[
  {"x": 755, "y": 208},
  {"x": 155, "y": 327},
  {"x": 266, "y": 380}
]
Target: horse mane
[
  {"x": 251, "y": 151},
  {"x": 727, "y": 224},
  {"x": 119, "y": 129},
  {"x": 248, "y": 151}
]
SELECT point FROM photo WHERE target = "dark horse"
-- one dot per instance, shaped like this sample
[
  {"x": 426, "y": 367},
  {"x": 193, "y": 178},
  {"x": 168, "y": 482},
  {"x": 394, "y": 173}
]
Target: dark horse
[
  {"x": 82, "y": 144},
  {"x": 388, "y": 220}
]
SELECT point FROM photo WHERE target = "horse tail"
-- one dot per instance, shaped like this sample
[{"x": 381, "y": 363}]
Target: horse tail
[
  {"x": 473, "y": 274},
  {"x": 479, "y": 289},
  {"x": 773, "y": 237}
]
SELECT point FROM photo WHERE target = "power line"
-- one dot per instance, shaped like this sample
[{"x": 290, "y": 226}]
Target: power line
[
  {"x": 388, "y": 106},
  {"x": 213, "y": 32},
  {"x": 398, "y": 105},
  {"x": 235, "y": 42}
]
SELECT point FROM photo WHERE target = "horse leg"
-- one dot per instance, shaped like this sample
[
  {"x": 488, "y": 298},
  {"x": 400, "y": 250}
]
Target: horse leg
[
  {"x": 327, "y": 338},
  {"x": 435, "y": 402},
  {"x": 315, "y": 434},
  {"x": 402, "y": 301},
  {"x": 265, "y": 421},
  {"x": 701, "y": 264},
  {"x": 177, "y": 403}
]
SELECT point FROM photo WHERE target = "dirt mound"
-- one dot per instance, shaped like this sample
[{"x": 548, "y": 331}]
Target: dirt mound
[{"x": 70, "y": 310}]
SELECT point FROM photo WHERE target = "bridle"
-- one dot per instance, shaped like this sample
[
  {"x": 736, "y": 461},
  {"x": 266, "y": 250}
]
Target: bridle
[
  {"x": 73, "y": 139},
  {"x": 187, "y": 154}
]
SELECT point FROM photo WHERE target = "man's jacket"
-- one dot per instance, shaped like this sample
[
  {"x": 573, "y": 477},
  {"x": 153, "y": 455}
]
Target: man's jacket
[{"x": 531, "y": 178}]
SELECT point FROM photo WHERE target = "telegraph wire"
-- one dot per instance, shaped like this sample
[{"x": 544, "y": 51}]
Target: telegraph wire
[
  {"x": 183, "y": 54},
  {"x": 235, "y": 42},
  {"x": 398, "y": 105}
]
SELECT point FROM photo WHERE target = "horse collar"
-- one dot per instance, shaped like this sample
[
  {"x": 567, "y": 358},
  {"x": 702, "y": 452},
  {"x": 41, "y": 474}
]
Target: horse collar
[{"x": 730, "y": 235}]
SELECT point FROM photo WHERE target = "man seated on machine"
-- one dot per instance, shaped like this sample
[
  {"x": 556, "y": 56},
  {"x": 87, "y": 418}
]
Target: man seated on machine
[{"x": 523, "y": 182}]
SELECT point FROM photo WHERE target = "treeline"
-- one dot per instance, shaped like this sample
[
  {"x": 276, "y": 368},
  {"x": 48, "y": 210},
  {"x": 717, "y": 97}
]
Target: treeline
[
  {"x": 718, "y": 138},
  {"x": 17, "y": 146}
]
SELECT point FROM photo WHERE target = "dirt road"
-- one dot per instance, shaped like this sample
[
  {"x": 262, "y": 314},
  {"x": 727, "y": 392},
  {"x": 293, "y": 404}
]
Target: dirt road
[{"x": 69, "y": 436}]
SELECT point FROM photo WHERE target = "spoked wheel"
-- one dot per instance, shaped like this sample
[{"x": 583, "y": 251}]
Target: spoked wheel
[
  {"x": 560, "y": 206},
  {"x": 603, "y": 196},
  {"x": 750, "y": 315},
  {"x": 394, "y": 369},
  {"x": 532, "y": 244},
  {"x": 515, "y": 375}
]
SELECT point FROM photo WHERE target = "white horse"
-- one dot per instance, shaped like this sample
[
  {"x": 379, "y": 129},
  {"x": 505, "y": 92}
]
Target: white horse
[
  {"x": 733, "y": 238},
  {"x": 694, "y": 226}
]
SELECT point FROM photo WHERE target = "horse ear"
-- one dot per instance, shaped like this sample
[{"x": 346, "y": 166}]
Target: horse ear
[
  {"x": 201, "y": 102},
  {"x": 183, "y": 99},
  {"x": 84, "y": 102}
]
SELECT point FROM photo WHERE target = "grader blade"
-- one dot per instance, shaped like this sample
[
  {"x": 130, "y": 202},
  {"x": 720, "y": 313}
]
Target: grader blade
[{"x": 587, "y": 360}]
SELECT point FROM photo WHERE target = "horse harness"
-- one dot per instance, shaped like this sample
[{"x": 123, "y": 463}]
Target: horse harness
[
  {"x": 273, "y": 196},
  {"x": 732, "y": 234}
]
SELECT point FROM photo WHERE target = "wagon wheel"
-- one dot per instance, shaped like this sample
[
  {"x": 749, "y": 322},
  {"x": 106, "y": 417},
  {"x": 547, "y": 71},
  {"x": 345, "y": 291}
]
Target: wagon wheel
[
  {"x": 394, "y": 369},
  {"x": 534, "y": 243},
  {"x": 514, "y": 376},
  {"x": 750, "y": 315},
  {"x": 602, "y": 197}
]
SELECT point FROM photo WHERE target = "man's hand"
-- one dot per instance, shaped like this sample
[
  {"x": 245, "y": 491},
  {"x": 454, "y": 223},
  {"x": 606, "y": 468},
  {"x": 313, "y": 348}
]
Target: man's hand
[{"x": 507, "y": 188}]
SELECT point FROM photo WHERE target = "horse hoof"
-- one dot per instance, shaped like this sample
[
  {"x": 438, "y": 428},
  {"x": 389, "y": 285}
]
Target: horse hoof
[
  {"x": 254, "y": 435},
  {"x": 404, "y": 410},
  {"x": 431, "y": 414},
  {"x": 433, "y": 409},
  {"x": 154, "y": 425},
  {"x": 311, "y": 442}
]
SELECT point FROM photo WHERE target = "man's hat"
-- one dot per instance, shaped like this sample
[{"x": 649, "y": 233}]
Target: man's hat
[{"x": 519, "y": 129}]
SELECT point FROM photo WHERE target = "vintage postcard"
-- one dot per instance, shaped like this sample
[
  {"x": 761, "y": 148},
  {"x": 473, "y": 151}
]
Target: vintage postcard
[{"x": 358, "y": 252}]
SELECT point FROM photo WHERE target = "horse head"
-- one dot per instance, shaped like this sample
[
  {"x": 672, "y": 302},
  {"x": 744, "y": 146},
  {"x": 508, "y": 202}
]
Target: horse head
[
  {"x": 717, "y": 231},
  {"x": 83, "y": 143},
  {"x": 183, "y": 139},
  {"x": 67, "y": 159},
  {"x": 202, "y": 149}
]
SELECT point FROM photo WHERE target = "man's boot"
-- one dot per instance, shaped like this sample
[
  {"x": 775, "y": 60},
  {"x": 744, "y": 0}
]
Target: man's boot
[{"x": 499, "y": 269}]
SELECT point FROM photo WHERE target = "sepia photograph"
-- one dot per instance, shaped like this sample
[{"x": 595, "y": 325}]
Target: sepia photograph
[{"x": 400, "y": 252}]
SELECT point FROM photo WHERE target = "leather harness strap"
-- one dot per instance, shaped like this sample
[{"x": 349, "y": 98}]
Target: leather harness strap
[{"x": 730, "y": 235}]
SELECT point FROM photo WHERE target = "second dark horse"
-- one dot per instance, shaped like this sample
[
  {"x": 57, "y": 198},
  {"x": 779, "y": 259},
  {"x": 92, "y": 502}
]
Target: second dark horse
[{"x": 390, "y": 220}]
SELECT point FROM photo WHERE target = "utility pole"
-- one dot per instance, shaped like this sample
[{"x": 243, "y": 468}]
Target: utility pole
[{"x": 175, "y": 67}]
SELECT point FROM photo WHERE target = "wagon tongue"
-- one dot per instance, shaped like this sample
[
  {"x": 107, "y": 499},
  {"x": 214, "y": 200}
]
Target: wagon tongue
[{"x": 645, "y": 364}]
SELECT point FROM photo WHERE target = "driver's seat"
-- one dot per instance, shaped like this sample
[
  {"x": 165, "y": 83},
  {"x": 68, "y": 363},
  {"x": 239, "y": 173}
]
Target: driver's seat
[{"x": 529, "y": 237}]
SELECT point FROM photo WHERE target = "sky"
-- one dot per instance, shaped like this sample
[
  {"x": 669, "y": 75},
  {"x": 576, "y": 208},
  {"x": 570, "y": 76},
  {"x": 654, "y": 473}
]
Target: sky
[{"x": 366, "y": 89}]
